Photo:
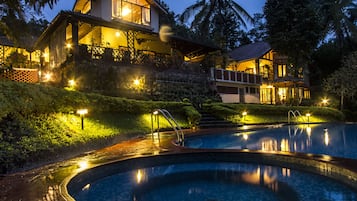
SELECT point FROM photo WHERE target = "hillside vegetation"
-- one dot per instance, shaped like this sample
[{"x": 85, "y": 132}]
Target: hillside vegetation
[{"x": 39, "y": 123}]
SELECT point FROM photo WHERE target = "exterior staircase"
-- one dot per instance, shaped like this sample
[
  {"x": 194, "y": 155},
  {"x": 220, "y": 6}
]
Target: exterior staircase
[{"x": 210, "y": 121}]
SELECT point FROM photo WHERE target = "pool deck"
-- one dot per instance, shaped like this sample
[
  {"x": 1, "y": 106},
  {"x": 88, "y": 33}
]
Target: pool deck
[{"x": 45, "y": 183}]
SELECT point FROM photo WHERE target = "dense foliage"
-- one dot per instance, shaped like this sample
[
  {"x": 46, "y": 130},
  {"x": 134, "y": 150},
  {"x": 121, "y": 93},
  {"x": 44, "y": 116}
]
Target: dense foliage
[
  {"x": 271, "y": 113},
  {"x": 39, "y": 122}
]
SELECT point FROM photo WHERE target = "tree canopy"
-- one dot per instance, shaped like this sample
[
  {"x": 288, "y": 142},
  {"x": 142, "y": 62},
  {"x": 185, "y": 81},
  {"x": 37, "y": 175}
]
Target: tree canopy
[
  {"x": 293, "y": 28},
  {"x": 14, "y": 13},
  {"x": 217, "y": 19},
  {"x": 343, "y": 81}
]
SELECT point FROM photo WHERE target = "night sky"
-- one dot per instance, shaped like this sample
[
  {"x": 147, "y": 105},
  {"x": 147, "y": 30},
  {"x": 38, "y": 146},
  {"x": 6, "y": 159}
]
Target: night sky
[{"x": 252, "y": 6}]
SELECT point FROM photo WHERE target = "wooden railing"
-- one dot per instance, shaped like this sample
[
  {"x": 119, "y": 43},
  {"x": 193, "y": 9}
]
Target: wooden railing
[
  {"x": 122, "y": 55},
  {"x": 235, "y": 76}
]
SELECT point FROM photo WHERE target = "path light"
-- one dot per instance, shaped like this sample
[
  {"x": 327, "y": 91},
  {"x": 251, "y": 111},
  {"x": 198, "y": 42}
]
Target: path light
[
  {"x": 244, "y": 115},
  {"x": 81, "y": 113},
  {"x": 308, "y": 117},
  {"x": 71, "y": 83}
]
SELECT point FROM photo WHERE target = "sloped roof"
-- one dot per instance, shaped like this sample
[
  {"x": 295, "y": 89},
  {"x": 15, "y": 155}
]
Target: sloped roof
[
  {"x": 250, "y": 51},
  {"x": 184, "y": 45},
  {"x": 5, "y": 41}
]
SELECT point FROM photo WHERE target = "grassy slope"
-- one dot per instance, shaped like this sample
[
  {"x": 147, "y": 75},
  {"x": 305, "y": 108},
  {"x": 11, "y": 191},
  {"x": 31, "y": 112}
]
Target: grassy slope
[{"x": 39, "y": 123}]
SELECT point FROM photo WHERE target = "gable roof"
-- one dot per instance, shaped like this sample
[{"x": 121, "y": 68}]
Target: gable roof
[
  {"x": 186, "y": 46},
  {"x": 250, "y": 51}
]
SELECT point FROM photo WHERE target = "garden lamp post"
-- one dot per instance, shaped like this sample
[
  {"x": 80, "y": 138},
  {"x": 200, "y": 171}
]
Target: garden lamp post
[
  {"x": 244, "y": 115},
  {"x": 81, "y": 113},
  {"x": 308, "y": 117}
]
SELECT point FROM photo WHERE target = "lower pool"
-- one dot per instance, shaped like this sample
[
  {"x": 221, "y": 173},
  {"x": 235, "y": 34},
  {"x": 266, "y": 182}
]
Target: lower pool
[
  {"x": 339, "y": 140},
  {"x": 205, "y": 177}
]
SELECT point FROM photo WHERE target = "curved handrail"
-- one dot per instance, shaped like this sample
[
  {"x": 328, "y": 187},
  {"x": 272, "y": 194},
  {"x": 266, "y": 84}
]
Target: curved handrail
[
  {"x": 173, "y": 123},
  {"x": 295, "y": 113}
]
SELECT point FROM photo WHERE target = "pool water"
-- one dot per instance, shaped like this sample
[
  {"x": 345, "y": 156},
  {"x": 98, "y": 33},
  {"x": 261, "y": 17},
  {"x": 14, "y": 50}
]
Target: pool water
[
  {"x": 215, "y": 182},
  {"x": 338, "y": 140}
]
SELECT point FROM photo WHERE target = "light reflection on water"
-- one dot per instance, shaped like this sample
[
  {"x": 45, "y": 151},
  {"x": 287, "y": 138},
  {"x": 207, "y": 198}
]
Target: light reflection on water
[
  {"x": 215, "y": 181},
  {"x": 329, "y": 139}
]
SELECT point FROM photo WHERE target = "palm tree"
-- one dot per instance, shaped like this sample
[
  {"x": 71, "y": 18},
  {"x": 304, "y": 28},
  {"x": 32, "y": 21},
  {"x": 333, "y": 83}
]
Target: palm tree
[
  {"x": 15, "y": 11},
  {"x": 205, "y": 14},
  {"x": 339, "y": 18}
]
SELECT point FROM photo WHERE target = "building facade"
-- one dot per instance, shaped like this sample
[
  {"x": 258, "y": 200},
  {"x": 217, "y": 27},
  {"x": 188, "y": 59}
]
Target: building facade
[{"x": 258, "y": 74}]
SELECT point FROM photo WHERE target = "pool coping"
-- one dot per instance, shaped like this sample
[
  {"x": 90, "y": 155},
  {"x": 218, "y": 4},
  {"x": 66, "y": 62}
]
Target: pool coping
[{"x": 339, "y": 169}]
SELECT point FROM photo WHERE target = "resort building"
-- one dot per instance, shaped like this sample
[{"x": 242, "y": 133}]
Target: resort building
[
  {"x": 125, "y": 43},
  {"x": 258, "y": 74},
  {"x": 122, "y": 48}
]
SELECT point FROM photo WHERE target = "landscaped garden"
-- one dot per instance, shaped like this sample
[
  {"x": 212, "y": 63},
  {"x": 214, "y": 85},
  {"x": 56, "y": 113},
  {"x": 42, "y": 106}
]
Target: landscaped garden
[{"x": 40, "y": 124}]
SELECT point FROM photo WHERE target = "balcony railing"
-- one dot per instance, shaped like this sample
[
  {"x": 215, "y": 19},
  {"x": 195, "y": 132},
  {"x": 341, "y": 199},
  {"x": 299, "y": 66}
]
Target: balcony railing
[
  {"x": 122, "y": 55},
  {"x": 20, "y": 75},
  {"x": 222, "y": 75}
]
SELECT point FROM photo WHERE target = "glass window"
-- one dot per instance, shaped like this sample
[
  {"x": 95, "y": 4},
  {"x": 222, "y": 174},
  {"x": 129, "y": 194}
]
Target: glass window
[
  {"x": 281, "y": 70},
  {"x": 136, "y": 11}
]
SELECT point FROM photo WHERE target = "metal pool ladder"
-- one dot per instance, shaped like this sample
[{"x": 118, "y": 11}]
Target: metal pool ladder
[
  {"x": 295, "y": 113},
  {"x": 166, "y": 114}
]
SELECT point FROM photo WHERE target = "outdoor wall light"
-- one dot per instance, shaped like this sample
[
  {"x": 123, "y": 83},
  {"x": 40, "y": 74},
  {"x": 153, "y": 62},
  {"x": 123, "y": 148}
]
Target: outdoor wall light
[
  {"x": 136, "y": 82},
  {"x": 68, "y": 45},
  {"x": 47, "y": 77},
  {"x": 324, "y": 101},
  {"x": 81, "y": 113}
]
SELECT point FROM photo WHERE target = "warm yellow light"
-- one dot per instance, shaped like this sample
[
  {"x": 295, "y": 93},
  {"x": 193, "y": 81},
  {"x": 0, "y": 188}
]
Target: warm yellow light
[
  {"x": 126, "y": 11},
  {"x": 82, "y": 165},
  {"x": 245, "y": 136},
  {"x": 139, "y": 176},
  {"x": 117, "y": 34},
  {"x": 244, "y": 113},
  {"x": 44, "y": 55},
  {"x": 136, "y": 82},
  {"x": 156, "y": 112},
  {"x": 47, "y": 77},
  {"x": 270, "y": 86},
  {"x": 72, "y": 83},
  {"x": 82, "y": 111},
  {"x": 69, "y": 45},
  {"x": 308, "y": 131},
  {"x": 308, "y": 114},
  {"x": 326, "y": 137},
  {"x": 324, "y": 101}
]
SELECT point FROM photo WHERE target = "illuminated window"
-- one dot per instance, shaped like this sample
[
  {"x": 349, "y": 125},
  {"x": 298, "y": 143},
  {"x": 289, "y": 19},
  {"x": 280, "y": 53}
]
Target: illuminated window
[
  {"x": 136, "y": 11},
  {"x": 281, "y": 70},
  {"x": 306, "y": 94}
]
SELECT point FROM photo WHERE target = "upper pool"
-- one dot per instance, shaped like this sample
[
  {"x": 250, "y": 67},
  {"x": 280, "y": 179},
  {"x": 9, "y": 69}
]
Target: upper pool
[{"x": 339, "y": 140}]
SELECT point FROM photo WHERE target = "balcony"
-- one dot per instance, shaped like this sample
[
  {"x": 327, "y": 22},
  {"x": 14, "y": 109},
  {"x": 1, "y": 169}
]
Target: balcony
[
  {"x": 123, "y": 55},
  {"x": 235, "y": 77}
]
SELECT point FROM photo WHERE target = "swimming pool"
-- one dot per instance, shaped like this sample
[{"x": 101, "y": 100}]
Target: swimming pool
[
  {"x": 238, "y": 168},
  {"x": 203, "y": 176},
  {"x": 339, "y": 140}
]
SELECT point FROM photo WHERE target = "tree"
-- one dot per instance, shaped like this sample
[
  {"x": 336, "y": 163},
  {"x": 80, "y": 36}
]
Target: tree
[
  {"x": 211, "y": 14},
  {"x": 293, "y": 28},
  {"x": 339, "y": 18},
  {"x": 259, "y": 32},
  {"x": 343, "y": 81},
  {"x": 14, "y": 12}
]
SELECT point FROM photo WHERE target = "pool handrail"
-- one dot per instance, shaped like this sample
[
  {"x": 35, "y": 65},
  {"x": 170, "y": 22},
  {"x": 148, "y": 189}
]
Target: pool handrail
[{"x": 173, "y": 123}]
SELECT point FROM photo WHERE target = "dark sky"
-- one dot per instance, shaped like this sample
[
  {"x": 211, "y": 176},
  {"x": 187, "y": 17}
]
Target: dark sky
[{"x": 252, "y": 6}]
